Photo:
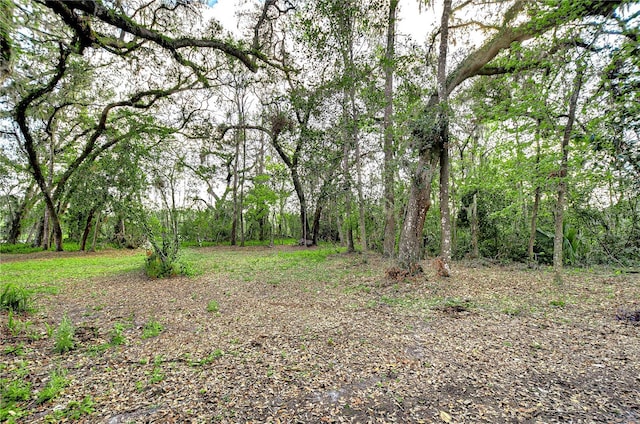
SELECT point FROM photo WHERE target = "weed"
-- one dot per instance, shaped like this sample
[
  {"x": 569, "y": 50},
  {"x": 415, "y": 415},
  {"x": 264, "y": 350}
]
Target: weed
[
  {"x": 15, "y": 391},
  {"x": 558, "y": 303},
  {"x": 57, "y": 382},
  {"x": 216, "y": 354},
  {"x": 213, "y": 306},
  {"x": 64, "y": 336},
  {"x": 17, "y": 350},
  {"x": 117, "y": 335},
  {"x": 512, "y": 311},
  {"x": 14, "y": 298},
  {"x": 152, "y": 329},
  {"x": 73, "y": 411}
]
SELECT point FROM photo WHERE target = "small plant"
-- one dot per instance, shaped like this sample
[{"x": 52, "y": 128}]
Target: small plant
[
  {"x": 117, "y": 335},
  {"x": 558, "y": 303},
  {"x": 57, "y": 382},
  {"x": 14, "y": 298},
  {"x": 16, "y": 390},
  {"x": 213, "y": 306},
  {"x": 64, "y": 336},
  {"x": 152, "y": 329},
  {"x": 73, "y": 411},
  {"x": 17, "y": 350}
]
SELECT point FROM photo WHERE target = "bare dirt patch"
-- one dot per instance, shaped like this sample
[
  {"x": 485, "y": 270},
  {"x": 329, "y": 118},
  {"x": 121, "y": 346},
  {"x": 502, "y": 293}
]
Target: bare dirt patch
[{"x": 336, "y": 341}]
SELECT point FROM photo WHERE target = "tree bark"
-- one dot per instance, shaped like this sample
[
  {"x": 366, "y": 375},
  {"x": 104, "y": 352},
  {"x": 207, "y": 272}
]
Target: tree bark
[
  {"x": 558, "y": 238},
  {"x": 389, "y": 148},
  {"x": 443, "y": 99},
  {"x": 536, "y": 199},
  {"x": 87, "y": 230}
]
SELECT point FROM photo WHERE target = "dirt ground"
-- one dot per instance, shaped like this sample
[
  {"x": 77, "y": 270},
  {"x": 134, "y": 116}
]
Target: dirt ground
[{"x": 338, "y": 341}]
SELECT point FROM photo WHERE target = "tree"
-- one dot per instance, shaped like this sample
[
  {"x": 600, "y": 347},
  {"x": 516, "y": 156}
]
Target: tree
[
  {"x": 428, "y": 144},
  {"x": 389, "y": 148}
]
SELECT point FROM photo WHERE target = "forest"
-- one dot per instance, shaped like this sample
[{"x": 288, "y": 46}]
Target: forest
[
  {"x": 511, "y": 132},
  {"x": 416, "y": 211}
]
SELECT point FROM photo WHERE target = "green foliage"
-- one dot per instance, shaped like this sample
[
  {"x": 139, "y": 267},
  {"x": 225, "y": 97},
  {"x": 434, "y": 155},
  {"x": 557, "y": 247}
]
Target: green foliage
[
  {"x": 15, "y": 390},
  {"x": 57, "y": 382},
  {"x": 16, "y": 326},
  {"x": 73, "y": 411},
  {"x": 152, "y": 329},
  {"x": 18, "y": 248},
  {"x": 213, "y": 306},
  {"x": 15, "y": 298},
  {"x": 117, "y": 335},
  {"x": 64, "y": 335}
]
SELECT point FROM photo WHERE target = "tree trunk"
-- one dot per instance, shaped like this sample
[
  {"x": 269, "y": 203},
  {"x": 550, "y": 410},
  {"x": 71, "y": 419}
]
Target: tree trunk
[
  {"x": 562, "y": 177},
  {"x": 87, "y": 229},
  {"x": 474, "y": 227},
  {"x": 15, "y": 226},
  {"x": 362, "y": 222},
  {"x": 234, "y": 222},
  {"x": 96, "y": 231},
  {"x": 417, "y": 207},
  {"x": 536, "y": 199},
  {"x": 389, "y": 148},
  {"x": 443, "y": 99}
]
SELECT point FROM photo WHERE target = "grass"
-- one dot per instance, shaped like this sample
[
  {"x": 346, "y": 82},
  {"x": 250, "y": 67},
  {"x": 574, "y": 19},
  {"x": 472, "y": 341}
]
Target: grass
[
  {"x": 64, "y": 336},
  {"x": 44, "y": 273},
  {"x": 56, "y": 384}
]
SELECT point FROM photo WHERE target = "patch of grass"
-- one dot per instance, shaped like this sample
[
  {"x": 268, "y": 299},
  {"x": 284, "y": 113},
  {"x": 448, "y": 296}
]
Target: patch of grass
[
  {"x": 73, "y": 411},
  {"x": 18, "y": 248},
  {"x": 17, "y": 350},
  {"x": 57, "y": 382},
  {"x": 15, "y": 325},
  {"x": 558, "y": 303},
  {"x": 15, "y": 298},
  {"x": 152, "y": 329},
  {"x": 13, "y": 393},
  {"x": 213, "y": 306},
  {"x": 64, "y": 336},
  {"x": 55, "y": 271}
]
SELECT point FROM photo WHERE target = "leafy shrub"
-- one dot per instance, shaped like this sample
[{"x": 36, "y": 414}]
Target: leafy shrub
[
  {"x": 15, "y": 298},
  {"x": 64, "y": 336}
]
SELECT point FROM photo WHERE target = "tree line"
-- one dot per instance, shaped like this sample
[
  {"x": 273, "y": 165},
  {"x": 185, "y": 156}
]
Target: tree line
[{"x": 324, "y": 120}]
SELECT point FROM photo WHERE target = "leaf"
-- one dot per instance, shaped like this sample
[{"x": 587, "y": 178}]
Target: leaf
[{"x": 445, "y": 417}]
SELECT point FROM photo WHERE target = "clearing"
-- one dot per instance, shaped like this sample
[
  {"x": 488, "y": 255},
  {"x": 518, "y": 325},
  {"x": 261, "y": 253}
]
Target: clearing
[{"x": 291, "y": 334}]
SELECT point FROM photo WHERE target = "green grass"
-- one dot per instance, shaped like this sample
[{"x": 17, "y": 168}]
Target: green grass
[
  {"x": 57, "y": 382},
  {"x": 64, "y": 336},
  {"x": 44, "y": 275}
]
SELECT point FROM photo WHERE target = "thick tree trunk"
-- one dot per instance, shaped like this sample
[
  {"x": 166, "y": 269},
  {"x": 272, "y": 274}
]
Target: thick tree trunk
[
  {"x": 417, "y": 207},
  {"x": 389, "y": 148},
  {"x": 15, "y": 226},
  {"x": 562, "y": 178}
]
